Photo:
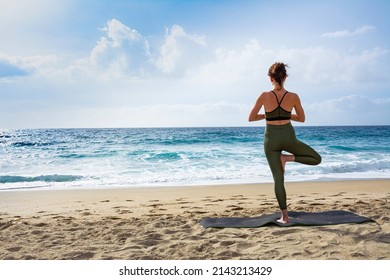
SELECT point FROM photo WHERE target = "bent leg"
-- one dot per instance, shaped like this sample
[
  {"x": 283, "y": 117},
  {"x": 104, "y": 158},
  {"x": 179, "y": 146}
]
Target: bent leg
[{"x": 304, "y": 153}]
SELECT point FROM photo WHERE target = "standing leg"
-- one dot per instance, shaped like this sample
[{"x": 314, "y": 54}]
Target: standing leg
[
  {"x": 275, "y": 164},
  {"x": 273, "y": 145}
]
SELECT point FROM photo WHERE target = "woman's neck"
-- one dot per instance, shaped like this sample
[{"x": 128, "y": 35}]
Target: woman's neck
[{"x": 278, "y": 87}]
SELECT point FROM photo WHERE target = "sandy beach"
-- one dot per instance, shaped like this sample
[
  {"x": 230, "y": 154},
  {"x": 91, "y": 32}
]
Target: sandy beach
[{"x": 163, "y": 223}]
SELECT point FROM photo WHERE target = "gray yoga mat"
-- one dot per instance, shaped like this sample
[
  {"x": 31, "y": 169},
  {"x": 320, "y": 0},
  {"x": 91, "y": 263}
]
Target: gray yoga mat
[{"x": 296, "y": 219}]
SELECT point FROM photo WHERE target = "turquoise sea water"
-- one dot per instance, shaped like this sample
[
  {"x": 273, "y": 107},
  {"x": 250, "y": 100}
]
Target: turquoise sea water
[{"x": 90, "y": 158}]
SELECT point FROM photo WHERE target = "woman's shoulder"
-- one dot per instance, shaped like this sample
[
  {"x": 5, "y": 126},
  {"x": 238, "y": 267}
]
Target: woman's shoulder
[
  {"x": 265, "y": 94},
  {"x": 293, "y": 95}
]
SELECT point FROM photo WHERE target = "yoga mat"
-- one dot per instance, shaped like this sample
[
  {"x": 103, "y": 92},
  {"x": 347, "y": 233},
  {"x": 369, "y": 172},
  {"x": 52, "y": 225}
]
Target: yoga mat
[{"x": 296, "y": 219}]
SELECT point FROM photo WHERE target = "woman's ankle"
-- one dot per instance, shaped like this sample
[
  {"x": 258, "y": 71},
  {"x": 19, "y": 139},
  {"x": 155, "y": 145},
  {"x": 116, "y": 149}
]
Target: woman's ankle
[{"x": 284, "y": 219}]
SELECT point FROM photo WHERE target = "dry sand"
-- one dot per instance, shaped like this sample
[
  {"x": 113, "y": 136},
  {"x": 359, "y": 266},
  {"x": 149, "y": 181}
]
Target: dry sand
[{"x": 162, "y": 223}]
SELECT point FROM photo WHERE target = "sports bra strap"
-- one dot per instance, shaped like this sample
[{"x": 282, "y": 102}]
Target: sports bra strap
[
  {"x": 277, "y": 100},
  {"x": 283, "y": 97}
]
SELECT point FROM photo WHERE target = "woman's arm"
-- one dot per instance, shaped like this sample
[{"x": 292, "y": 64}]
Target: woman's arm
[
  {"x": 258, "y": 117},
  {"x": 300, "y": 113},
  {"x": 254, "y": 114}
]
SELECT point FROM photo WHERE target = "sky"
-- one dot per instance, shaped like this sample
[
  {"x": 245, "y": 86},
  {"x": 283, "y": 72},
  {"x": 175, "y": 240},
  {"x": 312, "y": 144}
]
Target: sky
[{"x": 117, "y": 63}]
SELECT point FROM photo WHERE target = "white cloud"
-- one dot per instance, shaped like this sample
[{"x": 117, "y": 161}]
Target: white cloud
[
  {"x": 194, "y": 83},
  {"x": 43, "y": 65},
  {"x": 125, "y": 53},
  {"x": 311, "y": 65},
  {"x": 346, "y": 33},
  {"x": 229, "y": 65},
  {"x": 180, "y": 51},
  {"x": 317, "y": 65},
  {"x": 122, "y": 51},
  {"x": 119, "y": 33},
  {"x": 349, "y": 110}
]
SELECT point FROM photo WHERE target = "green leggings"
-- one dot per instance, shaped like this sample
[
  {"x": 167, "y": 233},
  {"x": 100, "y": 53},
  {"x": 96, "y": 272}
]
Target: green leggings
[{"x": 278, "y": 138}]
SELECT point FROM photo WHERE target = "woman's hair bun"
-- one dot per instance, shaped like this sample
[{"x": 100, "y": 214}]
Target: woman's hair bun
[{"x": 278, "y": 72}]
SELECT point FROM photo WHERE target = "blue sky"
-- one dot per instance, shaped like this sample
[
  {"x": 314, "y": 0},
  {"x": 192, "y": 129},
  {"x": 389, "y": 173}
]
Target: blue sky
[{"x": 190, "y": 63}]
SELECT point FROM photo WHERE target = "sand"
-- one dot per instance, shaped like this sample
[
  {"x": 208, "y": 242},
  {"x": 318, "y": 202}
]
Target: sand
[{"x": 161, "y": 223}]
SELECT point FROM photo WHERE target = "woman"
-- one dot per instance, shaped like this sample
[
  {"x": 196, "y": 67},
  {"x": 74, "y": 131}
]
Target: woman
[{"x": 279, "y": 133}]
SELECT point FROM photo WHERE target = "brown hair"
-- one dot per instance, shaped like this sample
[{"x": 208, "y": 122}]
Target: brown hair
[{"x": 278, "y": 72}]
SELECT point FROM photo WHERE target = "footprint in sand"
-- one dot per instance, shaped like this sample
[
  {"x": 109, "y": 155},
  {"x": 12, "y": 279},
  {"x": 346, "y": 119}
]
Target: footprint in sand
[
  {"x": 182, "y": 202},
  {"x": 227, "y": 243},
  {"x": 122, "y": 212},
  {"x": 5, "y": 225},
  {"x": 79, "y": 255},
  {"x": 267, "y": 203},
  {"x": 14, "y": 249},
  {"x": 181, "y": 199},
  {"x": 112, "y": 218},
  {"x": 316, "y": 204},
  {"x": 197, "y": 212},
  {"x": 40, "y": 225},
  {"x": 235, "y": 208}
]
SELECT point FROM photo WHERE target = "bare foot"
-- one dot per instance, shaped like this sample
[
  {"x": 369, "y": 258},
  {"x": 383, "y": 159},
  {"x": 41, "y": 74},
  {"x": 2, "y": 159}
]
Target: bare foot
[
  {"x": 283, "y": 160},
  {"x": 284, "y": 219},
  {"x": 286, "y": 158}
]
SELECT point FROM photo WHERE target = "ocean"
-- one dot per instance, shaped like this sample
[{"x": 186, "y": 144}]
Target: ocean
[{"x": 132, "y": 157}]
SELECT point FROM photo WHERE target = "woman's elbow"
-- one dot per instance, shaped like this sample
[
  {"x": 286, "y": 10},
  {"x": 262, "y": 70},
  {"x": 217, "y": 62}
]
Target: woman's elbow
[{"x": 301, "y": 118}]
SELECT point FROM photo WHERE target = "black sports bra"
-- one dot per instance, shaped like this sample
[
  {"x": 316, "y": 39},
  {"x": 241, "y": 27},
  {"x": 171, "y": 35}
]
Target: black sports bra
[{"x": 278, "y": 114}]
